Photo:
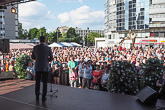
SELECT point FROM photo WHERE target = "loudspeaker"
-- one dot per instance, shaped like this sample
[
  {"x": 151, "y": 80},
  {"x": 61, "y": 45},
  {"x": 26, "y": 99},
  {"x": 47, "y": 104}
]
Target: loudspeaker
[
  {"x": 4, "y": 45},
  {"x": 148, "y": 96},
  {"x": 6, "y": 75}
]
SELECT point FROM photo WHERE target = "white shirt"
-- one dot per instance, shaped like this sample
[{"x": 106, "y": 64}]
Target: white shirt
[
  {"x": 31, "y": 70},
  {"x": 105, "y": 77}
]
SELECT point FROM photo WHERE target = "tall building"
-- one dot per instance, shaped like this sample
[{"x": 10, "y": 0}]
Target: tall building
[
  {"x": 145, "y": 17},
  {"x": 8, "y": 23}
]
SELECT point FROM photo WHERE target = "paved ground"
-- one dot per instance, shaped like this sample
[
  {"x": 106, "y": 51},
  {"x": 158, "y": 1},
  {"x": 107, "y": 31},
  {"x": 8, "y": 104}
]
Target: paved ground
[
  {"x": 19, "y": 95},
  {"x": 8, "y": 86}
]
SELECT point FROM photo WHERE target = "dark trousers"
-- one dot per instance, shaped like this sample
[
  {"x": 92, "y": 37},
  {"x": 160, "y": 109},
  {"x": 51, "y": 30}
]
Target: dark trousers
[
  {"x": 86, "y": 82},
  {"x": 44, "y": 76},
  {"x": 81, "y": 81}
]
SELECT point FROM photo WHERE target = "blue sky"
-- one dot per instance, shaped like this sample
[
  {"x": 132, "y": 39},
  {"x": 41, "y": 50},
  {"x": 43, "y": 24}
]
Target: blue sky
[{"x": 55, "y": 13}]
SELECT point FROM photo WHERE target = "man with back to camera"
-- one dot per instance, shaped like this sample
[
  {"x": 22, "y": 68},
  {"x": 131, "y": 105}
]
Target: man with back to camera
[{"x": 43, "y": 55}]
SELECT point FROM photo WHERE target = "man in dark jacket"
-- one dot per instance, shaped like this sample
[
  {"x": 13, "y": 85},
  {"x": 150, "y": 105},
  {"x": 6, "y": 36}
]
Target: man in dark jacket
[{"x": 42, "y": 54}]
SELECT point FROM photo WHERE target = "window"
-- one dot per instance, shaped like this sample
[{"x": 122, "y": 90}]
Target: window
[
  {"x": 109, "y": 36},
  {"x": 150, "y": 2},
  {"x": 141, "y": 26}
]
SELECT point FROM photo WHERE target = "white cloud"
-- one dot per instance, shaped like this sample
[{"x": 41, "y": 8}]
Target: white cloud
[
  {"x": 82, "y": 16},
  {"x": 33, "y": 14}
]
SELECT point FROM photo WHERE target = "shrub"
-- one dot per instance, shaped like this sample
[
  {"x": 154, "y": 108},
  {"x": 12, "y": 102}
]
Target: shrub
[
  {"x": 151, "y": 72},
  {"x": 123, "y": 78},
  {"x": 21, "y": 65}
]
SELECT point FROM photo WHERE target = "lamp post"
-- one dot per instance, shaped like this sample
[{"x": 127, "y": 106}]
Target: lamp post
[
  {"x": 57, "y": 35},
  {"x": 87, "y": 34}
]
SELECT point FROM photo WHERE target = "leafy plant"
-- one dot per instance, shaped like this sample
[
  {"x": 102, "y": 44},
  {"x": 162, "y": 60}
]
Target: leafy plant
[
  {"x": 123, "y": 78},
  {"x": 151, "y": 72},
  {"x": 21, "y": 65}
]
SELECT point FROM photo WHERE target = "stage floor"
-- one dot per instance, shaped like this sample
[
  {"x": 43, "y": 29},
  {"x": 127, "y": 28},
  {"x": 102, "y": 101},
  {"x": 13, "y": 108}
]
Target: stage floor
[{"x": 19, "y": 95}]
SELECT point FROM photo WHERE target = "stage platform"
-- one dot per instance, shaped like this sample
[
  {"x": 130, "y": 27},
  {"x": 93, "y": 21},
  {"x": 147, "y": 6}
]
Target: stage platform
[{"x": 19, "y": 95}]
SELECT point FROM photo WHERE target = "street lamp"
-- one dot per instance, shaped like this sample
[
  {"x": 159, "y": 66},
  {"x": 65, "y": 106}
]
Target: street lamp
[
  {"x": 57, "y": 34},
  {"x": 87, "y": 34},
  {"x": 13, "y": 10}
]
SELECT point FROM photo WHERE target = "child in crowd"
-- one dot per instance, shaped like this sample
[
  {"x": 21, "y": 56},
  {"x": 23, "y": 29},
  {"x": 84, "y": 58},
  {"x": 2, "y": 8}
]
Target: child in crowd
[
  {"x": 30, "y": 71},
  {"x": 73, "y": 77}
]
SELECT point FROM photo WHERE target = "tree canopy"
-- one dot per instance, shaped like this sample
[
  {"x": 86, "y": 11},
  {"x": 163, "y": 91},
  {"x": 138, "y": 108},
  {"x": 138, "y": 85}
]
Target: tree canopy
[
  {"x": 91, "y": 38},
  {"x": 69, "y": 36}
]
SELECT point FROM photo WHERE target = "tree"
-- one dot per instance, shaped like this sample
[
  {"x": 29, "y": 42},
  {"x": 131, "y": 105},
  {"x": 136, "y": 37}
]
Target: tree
[
  {"x": 71, "y": 33},
  {"x": 91, "y": 37},
  {"x": 23, "y": 34},
  {"x": 70, "y": 36},
  {"x": 41, "y": 32},
  {"x": 32, "y": 33},
  {"x": 58, "y": 34},
  {"x": 20, "y": 30}
]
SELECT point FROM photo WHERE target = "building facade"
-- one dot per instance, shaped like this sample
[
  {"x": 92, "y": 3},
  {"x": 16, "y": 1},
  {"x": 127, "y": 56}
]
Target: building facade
[
  {"x": 81, "y": 32},
  {"x": 63, "y": 29},
  {"x": 8, "y": 23},
  {"x": 145, "y": 17},
  {"x": 84, "y": 32}
]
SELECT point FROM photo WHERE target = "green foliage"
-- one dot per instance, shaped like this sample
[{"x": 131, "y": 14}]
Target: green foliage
[
  {"x": 41, "y": 31},
  {"x": 91, "y": 38},
  {"x": 32, "y": 33},
  {"x": 21, "y": 65},
  {"x": 70, "y": 36},
  {"x": 23, "y": 34},
  {"x": 123, "y": 78},
  {"x": 71, "y": 33},
  {"x": 151, "y": 72}
]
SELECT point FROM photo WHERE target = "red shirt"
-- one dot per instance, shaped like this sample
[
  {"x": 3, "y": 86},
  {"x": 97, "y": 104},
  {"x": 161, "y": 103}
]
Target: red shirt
[
  {"x": 96, "y": 74},
  {"x": 120, "y": 48}
]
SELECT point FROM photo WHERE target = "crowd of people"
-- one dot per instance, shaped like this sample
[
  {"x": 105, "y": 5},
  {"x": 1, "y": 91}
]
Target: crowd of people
[{"x": 88, "y": 67}]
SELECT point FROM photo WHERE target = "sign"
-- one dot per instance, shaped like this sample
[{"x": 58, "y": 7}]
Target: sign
[
  {"x": 149, "y": 40},
  {"x": 162, "y": 41},
  {"x": 159, "y": 43}
]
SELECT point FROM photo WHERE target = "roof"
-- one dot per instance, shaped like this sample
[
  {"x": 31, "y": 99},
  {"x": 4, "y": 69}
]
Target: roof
[
  {"x": 21, "y": 46},
  {"x": 13, "y": 2},
  {"x": 65, "y": 44}
]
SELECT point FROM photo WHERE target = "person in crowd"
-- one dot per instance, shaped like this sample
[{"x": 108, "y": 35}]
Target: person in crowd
[
  {"x": 104, "y": 66},
  {"x": 104, "y": 79},
  {"x": 30, "y": 71},
  {"x": 55, "y": 61},
  {"x": 72, "y": 64},
  {"x": 7, "y": 66},
  {"x": 97, "y": 75},
  {"x": 81, "y": 72},
  {"x": 161, "y": 84},
  {"x": 56, "y": 74},
  {"x": 73, "y": 76},
  {"x": 1, "y": 67},
  {"x": 87, "y": 76},
  {"x": 11, "y": 68}
]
